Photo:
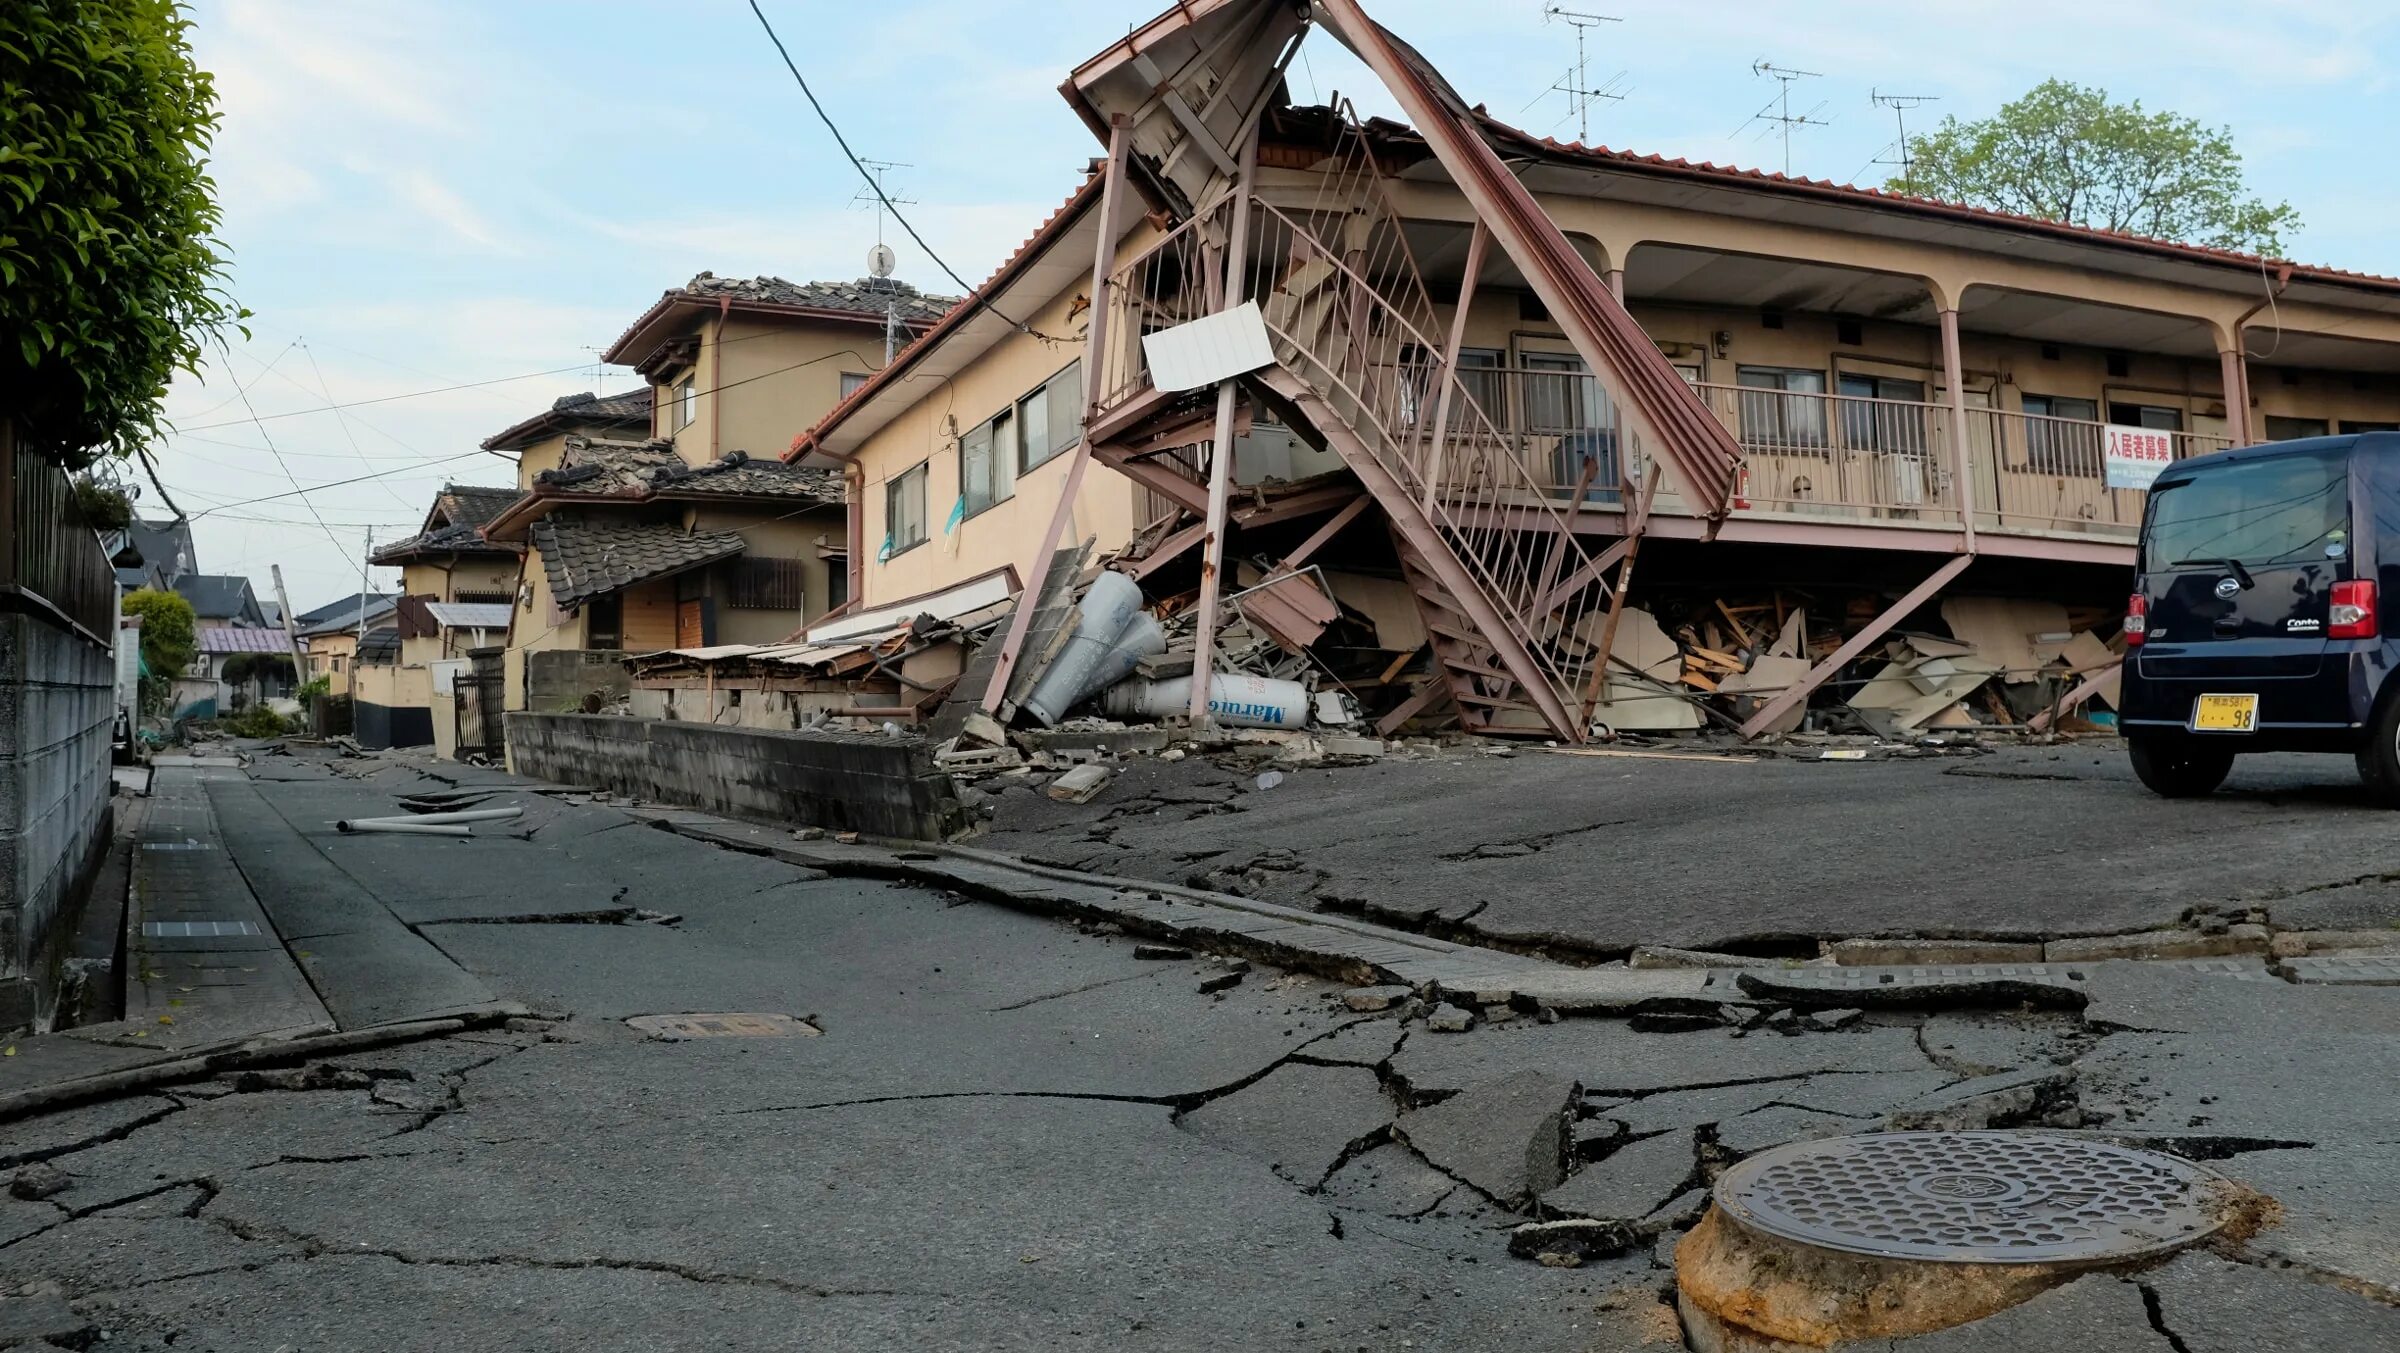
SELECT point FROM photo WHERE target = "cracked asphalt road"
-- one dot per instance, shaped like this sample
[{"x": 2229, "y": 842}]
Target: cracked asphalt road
[
  {"x": 1011, "y": 1133},
  {"x": 1593, "y": 855}
]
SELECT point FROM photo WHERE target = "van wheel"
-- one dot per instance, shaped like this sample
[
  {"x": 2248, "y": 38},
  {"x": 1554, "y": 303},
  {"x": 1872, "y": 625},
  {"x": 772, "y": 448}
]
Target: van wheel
[
  {"x": 2379, "y": 759},
  {"x": 2178, "y": 768}
]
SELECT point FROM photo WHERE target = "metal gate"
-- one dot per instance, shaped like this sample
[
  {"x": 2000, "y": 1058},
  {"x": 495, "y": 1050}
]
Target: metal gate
[{"x": 477, "y": 697}]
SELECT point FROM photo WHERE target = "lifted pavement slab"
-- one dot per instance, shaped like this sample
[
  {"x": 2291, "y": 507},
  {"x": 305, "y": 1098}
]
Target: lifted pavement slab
[{"x": 1510, "y": 1136}]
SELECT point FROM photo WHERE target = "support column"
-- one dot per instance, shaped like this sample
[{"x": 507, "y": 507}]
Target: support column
[
  {"x": 2237, "y": 394},
  {"x": 1220, "y": 450},
  {"x": 1095, "y": 345},
  {"x": 1615, "y": 277},
  {"x": 1962, "y": 450}
]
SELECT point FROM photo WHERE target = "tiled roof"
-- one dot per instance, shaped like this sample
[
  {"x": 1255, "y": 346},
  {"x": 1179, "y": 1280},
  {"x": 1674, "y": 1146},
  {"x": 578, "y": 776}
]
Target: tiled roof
[
  {"x": 586, "y": 558},
  {"x": 381, "y": 646},
  {"x": 641, "y": 469},
  {"x": 343, "y": 615},
  {"x": 459, "y": 512},
  {"x": 345, "y": 606},
  {"x": 1057, "y": 221},
  {"x": 1889, "y": 200},
  {"x": 243, "y": 639},
  {"x": 219, "y": 596},
  {"x": 866, "y": 296},
  {"x": 629, "y": 411}
]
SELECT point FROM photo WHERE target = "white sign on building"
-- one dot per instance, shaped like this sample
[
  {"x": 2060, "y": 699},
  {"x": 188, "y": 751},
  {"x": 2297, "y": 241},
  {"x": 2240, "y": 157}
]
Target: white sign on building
[{"x": 2132, "y": 457}]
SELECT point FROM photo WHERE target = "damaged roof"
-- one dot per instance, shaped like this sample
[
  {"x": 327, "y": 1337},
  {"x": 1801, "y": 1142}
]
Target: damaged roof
[
  {"x": 863, "y": 301},
  {"x": 593, "y": 470},
  {"x": 584, "y": 558},
  {"x": 576, "y": 413},
  {"x": 454, "y": 525}
]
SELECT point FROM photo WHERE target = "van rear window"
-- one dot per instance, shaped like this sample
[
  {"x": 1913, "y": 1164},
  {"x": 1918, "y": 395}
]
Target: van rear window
[{"x": 2280, "y": 510}]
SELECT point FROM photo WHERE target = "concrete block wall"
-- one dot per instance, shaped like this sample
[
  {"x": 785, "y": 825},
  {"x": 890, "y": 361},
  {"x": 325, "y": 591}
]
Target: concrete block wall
[
  {"x": 872, "y": 783},
  {"x": 57, "y": 705}
]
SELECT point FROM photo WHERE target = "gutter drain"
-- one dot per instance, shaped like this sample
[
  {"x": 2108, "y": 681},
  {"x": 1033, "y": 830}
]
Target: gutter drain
[{"x": 1815, "y": 1244}]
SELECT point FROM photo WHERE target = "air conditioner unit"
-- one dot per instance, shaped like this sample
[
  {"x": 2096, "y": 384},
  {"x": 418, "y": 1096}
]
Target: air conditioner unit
[{"x": 1900, "y": 480}]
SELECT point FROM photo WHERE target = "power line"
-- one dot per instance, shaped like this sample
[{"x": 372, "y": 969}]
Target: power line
[
  {"x": 972, "y": 294},
  {"x": 334, "y": 484},
  {"x": 384, "y": 399},
  {"x": 285, "y": 466},
  {"x": 342, "y": 420}
]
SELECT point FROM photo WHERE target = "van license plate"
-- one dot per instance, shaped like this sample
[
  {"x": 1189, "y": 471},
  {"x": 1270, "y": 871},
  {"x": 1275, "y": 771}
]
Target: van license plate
[{"x": 2225, "y": 714}]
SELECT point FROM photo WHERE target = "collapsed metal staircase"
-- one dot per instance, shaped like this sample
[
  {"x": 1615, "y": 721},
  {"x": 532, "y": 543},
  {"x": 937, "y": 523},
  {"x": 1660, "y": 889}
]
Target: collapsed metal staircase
[{"x": 1515, "y": 605}]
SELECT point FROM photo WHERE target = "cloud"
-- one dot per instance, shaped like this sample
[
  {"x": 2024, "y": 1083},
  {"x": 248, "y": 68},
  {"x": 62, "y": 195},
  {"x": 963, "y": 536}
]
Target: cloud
[{"x": 438, "y": 202}]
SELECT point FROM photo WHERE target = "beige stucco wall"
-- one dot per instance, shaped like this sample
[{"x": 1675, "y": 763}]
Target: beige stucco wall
[
  {"x": 775, "y": 533},
  {"x": 772, "y": 380},
  {"x": 1007, "y": 532},
  {"x": 322, "y": 649}
]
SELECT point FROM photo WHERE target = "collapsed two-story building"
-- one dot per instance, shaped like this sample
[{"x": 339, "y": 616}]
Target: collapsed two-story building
[
  {"x": 665, "y": 518},
  {"x": 1482, "y": 367}
]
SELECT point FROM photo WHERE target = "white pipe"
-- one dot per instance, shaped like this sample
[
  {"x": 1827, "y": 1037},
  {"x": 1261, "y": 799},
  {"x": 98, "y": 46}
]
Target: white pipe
[
  {"x": 402, "y": 827},
  {"x": 429, "y": 819}
]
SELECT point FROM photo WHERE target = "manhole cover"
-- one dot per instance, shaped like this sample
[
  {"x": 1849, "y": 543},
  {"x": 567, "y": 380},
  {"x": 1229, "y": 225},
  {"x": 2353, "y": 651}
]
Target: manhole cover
[
  {"x": 1973, "y": 1197},
  {"x": 676, "y": 1028}
]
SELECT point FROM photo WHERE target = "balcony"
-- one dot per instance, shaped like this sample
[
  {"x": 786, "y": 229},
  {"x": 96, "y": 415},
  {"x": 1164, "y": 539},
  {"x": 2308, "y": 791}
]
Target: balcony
[{"x": 1838, "y": 459}]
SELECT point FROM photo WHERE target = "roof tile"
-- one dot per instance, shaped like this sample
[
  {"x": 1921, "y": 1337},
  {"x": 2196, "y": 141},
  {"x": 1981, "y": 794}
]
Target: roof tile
[{"x": 587, "y": 558}]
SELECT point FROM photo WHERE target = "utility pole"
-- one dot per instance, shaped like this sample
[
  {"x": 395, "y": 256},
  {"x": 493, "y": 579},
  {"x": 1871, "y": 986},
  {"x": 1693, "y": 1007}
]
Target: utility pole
[
  {"x": 291, "y": 634},
  {"x": 359, "y": 648}
]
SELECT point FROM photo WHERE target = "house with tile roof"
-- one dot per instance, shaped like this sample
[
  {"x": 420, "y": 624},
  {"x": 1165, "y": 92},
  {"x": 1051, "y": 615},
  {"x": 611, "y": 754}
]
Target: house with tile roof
[
  {"x": 682, "y": 526},
  {"x": 448, "y": 560},
  {"x": 331, "y": 633},
  {"x": 1494, "y": 361}
]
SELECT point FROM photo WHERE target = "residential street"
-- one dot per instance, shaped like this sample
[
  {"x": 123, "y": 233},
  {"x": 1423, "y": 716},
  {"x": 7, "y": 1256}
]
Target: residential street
[{"x": 1001, "y": 1130}]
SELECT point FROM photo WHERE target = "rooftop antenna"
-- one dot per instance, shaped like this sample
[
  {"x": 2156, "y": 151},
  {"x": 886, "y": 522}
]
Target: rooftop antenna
[
  {"x": 1576, "y": 84},
  {"x": 1900, "y": 104},
  {"x": 880, "y": 259},
  {"x": 1779, "y": 108}
]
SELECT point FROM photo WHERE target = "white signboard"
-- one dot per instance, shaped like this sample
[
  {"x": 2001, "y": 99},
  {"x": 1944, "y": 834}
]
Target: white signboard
[
  {"x": 2132, "y": 457},
  {"x": 1214, "y": 348}
]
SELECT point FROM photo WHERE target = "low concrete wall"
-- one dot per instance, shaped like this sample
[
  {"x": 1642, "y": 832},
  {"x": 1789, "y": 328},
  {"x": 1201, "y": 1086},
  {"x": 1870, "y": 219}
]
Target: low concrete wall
[
  {"x": 57, "y": 703},
  {"x": 560, "y": 680},
  {"x": 863, "y": 782}
]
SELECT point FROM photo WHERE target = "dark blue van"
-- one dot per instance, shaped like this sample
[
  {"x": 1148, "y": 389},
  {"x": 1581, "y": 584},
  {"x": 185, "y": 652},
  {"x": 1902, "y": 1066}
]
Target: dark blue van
[{"x": 2255, "y": 623}]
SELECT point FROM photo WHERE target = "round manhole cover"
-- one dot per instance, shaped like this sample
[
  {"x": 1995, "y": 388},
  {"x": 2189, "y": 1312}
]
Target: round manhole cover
[{"x": 1973, "y": 1197}]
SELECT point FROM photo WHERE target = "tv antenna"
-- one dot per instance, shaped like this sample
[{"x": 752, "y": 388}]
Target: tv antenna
[
  {"x": 1900, "y": 104},
  {"x": 881, "y": 259},
  {"x": 1779, "y": 108},
  {"x": 1576, "y": 84},
  {"x": 880, "y": 195}
]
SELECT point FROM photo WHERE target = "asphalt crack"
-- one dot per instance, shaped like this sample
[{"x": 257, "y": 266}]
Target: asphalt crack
[
  {"x": 2158, "y": 1318},
  {"x": 115, "y": 1134}
]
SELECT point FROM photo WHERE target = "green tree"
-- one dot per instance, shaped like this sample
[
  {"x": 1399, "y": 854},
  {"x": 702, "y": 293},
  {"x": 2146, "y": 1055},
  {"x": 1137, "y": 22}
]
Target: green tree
[
  {"x": 110, "y": 275},
  {"x": 2065, "y": 152},
  {"x": 170, "y": 638}
]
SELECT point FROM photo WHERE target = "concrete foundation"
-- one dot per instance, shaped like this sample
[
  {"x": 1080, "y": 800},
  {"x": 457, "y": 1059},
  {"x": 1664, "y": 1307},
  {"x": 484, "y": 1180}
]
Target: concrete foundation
[
  {"x": 57, "y": 700},
  {"x": 865, "y": 782}
]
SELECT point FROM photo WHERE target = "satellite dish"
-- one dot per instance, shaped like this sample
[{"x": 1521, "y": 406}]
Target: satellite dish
[{"x": 880, "y": 260}]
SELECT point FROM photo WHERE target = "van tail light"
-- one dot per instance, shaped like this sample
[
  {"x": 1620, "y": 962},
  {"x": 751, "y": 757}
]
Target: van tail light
[
  {"x": 2352, "y": 615},
  {"x": 2137, "y": 620}
]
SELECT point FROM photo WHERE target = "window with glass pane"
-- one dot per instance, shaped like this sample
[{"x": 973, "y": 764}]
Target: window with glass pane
[
  {"x": 1882, "y": 413},
  {"x": 1049, "y": 419},
  {"x": 975, "y": 468},
  {"x": 1561, "y": 395},
  {"x": 904, "y": 511},
  {"x": 1795, "y": 419},
  {"x": 2062, "y": 435},
  {"x": 851, "y": 380},
  {"x": 2282, "y": 429},
  {"x": 2156, "y": 417}
]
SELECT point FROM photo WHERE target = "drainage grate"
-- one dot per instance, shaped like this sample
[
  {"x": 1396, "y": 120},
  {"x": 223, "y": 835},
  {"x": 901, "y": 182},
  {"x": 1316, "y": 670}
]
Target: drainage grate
[
  {"x": 177, "y": 845},
  {"x": 1973, "y": 1197},
  {"x": 188, "y": 930},
  {"x": 675, "y": 1028}
]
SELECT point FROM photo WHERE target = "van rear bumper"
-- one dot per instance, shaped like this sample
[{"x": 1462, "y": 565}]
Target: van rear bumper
[{"x": 2327, "y": 710}]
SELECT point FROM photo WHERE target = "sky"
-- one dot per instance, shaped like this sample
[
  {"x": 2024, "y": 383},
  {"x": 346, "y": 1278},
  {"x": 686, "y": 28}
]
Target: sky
[{"x": 441, "y": 212}]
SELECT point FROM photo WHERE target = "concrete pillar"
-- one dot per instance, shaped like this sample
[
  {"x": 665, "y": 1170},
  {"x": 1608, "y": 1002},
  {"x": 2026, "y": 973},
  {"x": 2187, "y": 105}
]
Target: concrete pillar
[
  {"x": 2237, "y": 395},
  {"x": 1962, "y": 455}
]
